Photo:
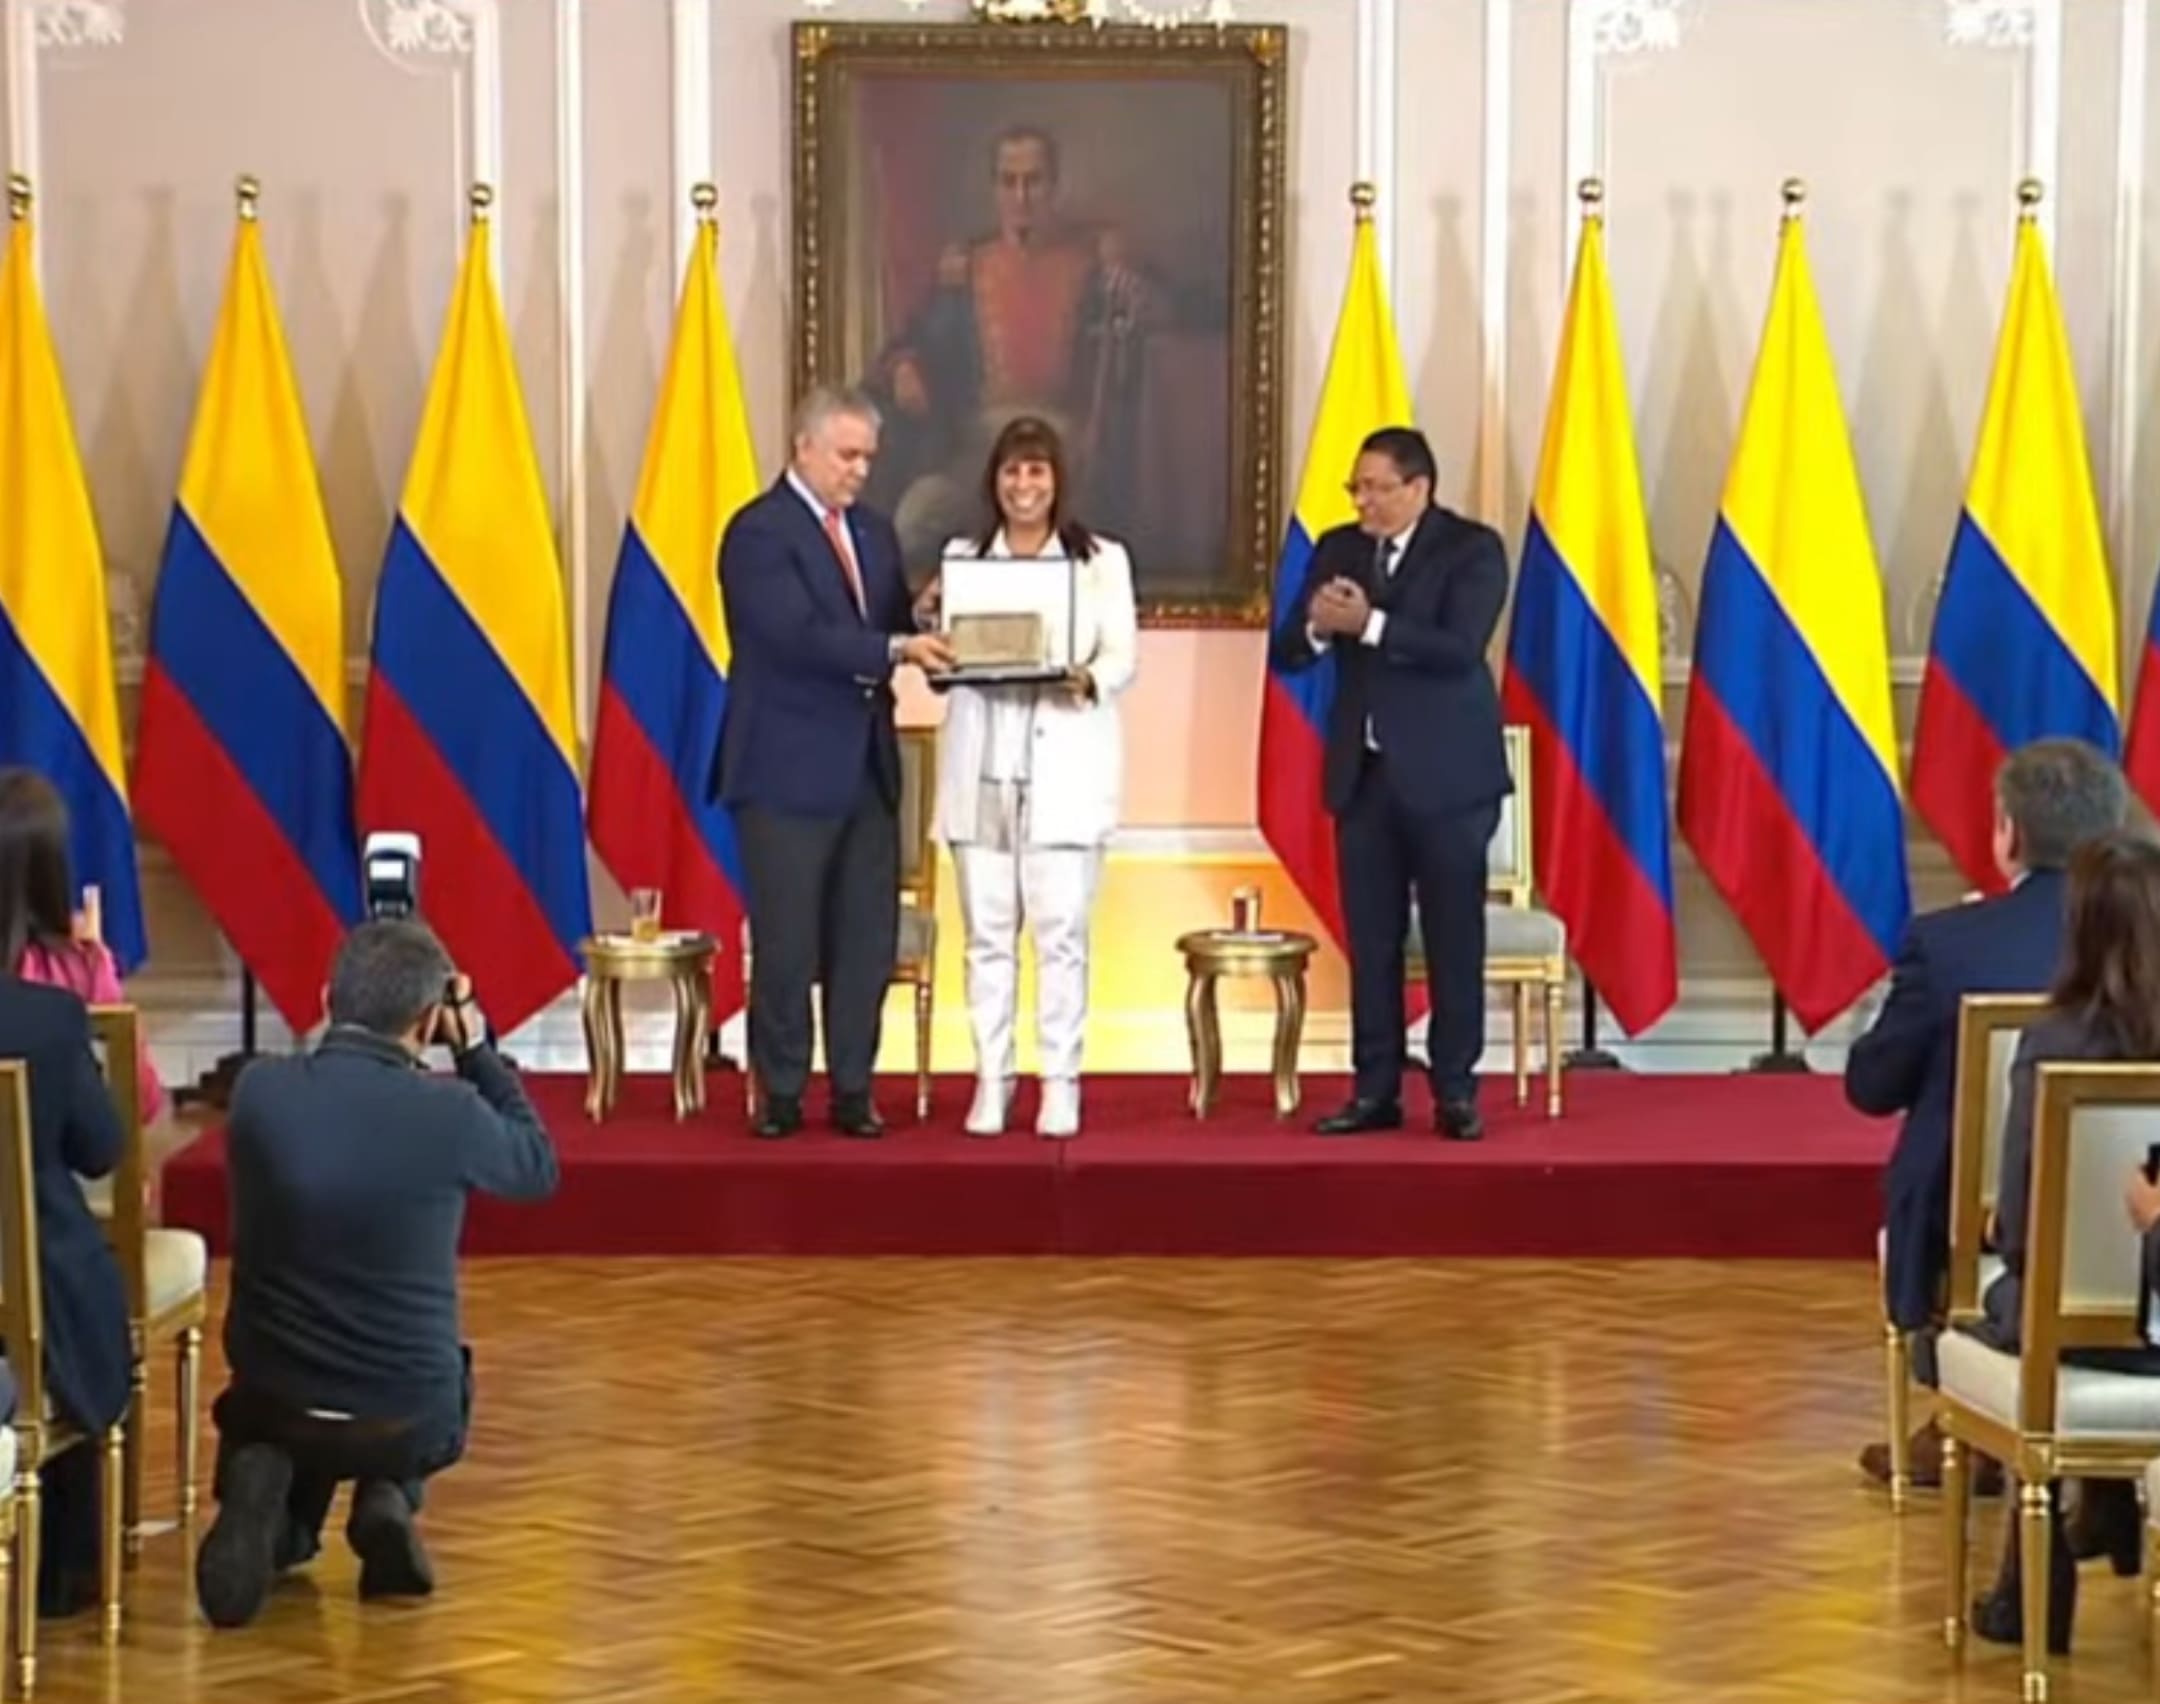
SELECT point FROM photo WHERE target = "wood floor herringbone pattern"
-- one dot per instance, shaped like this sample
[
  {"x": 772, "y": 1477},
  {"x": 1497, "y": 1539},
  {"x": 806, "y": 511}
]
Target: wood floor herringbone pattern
[{"x": 893, "y": 1482}]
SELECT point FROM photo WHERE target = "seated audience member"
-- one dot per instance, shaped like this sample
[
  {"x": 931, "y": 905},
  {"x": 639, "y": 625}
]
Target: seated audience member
[
  {"x": 2105, "y": 1004},
  {"x": 42, "y": 938},
  {"x": 74, "y": 1133},
  {"x": 2050, "y": 797},
  {"x": 350, "y": 1167}
]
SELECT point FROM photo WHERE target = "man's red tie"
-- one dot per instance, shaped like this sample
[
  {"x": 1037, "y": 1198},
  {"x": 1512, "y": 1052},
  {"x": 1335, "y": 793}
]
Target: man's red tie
[{"x": 836, "y": 532}]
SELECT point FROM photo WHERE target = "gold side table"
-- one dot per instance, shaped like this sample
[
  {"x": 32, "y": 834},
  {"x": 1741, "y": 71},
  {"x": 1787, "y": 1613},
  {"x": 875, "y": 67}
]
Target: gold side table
[
  {"x": 682, "y": 960},
  {"x": 1280, "y": 955}
]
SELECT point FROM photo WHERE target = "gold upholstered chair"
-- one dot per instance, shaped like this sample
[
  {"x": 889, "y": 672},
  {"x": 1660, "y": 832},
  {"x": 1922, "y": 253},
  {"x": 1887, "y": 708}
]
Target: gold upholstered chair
[
  {"x": 37, "y": 1435},
  {"x": 165, "y": 1273},
  {"x": 1525, "y": 945},
  {"x": 2084, "y": 1270},
  {"x": 915, "y": 952},
  {"x": 1989, "y": 1026}
]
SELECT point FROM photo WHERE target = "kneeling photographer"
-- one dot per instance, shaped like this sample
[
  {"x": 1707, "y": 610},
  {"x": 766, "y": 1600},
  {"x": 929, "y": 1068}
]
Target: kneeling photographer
[{"x": 350, "y": 1166}]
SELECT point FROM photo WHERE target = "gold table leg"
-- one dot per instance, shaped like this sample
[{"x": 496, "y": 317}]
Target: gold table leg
[
  {"x": 1204, "y": 1028},
  {"x": 690, "y": 1007},
  {"x": 1289, "y": 1032},
  {"x": 601, "y": 1063}
]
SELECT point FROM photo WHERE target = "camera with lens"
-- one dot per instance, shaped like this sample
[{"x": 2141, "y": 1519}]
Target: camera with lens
[{"x": 390, "y": 871}]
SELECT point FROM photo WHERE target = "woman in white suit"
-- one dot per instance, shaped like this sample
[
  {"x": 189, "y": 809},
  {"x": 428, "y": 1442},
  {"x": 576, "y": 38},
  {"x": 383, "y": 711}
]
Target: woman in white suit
[{"x": 1027, "y": 788}]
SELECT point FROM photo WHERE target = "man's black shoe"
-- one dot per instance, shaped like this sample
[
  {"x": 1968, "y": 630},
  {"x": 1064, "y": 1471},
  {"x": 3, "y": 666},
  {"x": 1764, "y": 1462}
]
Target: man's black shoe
[
  {"x": 393, "y": 1562},
  {"x": 778, "y": 1117},
  {"x": 1360, "y": 1116},
  {"x": 853, "y": 1115},
  {"x": 1458, "y": 1121},
  {"x": 233, "y": 1569}
]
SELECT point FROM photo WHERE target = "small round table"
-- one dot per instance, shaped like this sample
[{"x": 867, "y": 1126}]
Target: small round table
[
  {"x": 1280, "y": 955},
  {"x": 681, "y": 959}
]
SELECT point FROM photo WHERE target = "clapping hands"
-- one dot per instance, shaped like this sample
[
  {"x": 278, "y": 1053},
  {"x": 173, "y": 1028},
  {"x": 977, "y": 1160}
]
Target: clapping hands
[{"x": 1340, "y": 607}]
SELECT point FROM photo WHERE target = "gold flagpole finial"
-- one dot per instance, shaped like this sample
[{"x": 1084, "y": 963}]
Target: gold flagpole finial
[
  {"x": 18, "y": 197},
  {"x": 1363, "y": 198},
  {"x": 705, "y": 197},
  {"x": 2030, "y": 195},
  {"x": 248, "y": 192},
  {"x": 1591, "y": 193},
  {"x": 1794, "y": 190},
  {"x": 483, "y": 197}
]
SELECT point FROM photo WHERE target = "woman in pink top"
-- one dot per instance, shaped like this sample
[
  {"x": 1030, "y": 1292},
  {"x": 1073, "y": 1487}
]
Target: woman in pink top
[{"x": 40, "y": 940}]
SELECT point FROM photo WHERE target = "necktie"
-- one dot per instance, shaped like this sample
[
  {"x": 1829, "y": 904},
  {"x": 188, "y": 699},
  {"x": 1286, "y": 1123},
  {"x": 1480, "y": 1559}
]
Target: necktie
[
  {"x": 836, "y": 536},
  {"x": 1387, "y": 560}
]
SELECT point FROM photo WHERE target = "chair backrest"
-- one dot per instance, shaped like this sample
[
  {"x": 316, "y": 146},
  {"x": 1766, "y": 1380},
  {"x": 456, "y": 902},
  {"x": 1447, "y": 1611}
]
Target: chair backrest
[
  {"x": 1507, "y": 855},
  {"x": 918, "y": 804},
  {"x": 2084, "y": 1260},
  {"x": 1989, "y": 1026},
  {"x": 117, "y": 1032},
  {"x": 22, "y": 1296}
]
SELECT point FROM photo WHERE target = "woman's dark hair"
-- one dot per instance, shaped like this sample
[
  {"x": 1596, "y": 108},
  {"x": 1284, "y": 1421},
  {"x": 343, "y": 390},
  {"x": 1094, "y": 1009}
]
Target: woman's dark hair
[
  {"x": 1025, "y": 439},
  {"x": 2111, "y": 941},
  {"x": 37, "y": 906}
]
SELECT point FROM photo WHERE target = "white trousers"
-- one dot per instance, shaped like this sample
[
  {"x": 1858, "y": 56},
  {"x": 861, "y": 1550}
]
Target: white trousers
[{"x": 1053, "y": 889}]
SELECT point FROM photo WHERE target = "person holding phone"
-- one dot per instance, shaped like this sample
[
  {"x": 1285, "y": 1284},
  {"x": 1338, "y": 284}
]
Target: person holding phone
[{"x": 349, "y": 1170}]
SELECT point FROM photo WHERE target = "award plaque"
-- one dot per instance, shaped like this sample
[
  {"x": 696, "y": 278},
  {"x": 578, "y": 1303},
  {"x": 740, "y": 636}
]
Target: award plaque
[{"x": 1010, "y": 619}]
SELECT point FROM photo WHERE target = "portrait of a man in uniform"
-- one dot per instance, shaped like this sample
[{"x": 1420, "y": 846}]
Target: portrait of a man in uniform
[{"x": 991, "y": 245}]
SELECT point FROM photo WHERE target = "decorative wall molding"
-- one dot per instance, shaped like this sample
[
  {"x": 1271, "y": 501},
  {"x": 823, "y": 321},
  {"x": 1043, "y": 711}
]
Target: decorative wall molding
[
  {"x": 81, "y": 23},
  {"x": 420, "y": 28},
  {"x": 1990, "y": 23},
  {"x": 1634, "y": 26}
]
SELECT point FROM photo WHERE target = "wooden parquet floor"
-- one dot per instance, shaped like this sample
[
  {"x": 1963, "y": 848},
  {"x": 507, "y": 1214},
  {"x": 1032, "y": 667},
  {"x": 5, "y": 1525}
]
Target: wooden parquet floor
[{"x": 892, "y": 1482}]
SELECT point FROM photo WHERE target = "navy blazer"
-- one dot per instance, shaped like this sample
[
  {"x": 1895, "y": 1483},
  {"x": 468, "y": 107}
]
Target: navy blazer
[
  {"x": 74, "y": 1132},
  {"x": 1427, "y": 686},
  {"x": 810, "y": 704},
  {"x": 1907, "y": 1063}
]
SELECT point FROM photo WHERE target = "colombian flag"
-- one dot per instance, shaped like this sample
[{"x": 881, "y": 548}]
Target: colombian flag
[
  {"x": 1583, "y": 670},
  {"x": 663, "y": 684},
  {"x": 1363, "y": 391},
  {"x": 2024, "y": 640},
  {"x": 241, "y": 762},
  {"x": 470, "y": 739},
  {"x": 2141, "y": 761},
  {"x": 1789, "y": 772},
  {"x": 59, "y": 707}
]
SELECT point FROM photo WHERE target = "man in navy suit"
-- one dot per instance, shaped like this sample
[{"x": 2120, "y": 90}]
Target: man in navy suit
[
  {"x": 1405, "y": 601},
  {"x": 2050, "y": 797},
  {"x": 809, "y": 761}
]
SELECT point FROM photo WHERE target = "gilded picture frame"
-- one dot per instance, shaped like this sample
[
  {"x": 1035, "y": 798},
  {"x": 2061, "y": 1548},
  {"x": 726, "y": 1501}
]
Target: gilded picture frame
[{"x": 1083, "y": 224}]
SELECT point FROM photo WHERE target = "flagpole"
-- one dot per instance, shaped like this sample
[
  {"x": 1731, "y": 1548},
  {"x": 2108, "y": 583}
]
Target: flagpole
[
  {"x": 214, "y": 1088},
  {"x": 1780, "y": 1061},
  {"x": 1590, "y": 1056}
]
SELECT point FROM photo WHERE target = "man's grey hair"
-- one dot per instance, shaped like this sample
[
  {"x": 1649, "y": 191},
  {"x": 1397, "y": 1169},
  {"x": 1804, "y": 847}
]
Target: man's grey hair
[
  {"x": 827, "y": 402},
  {"x": 387, "y": 973},
  {"x": 2058, "y": 794}
]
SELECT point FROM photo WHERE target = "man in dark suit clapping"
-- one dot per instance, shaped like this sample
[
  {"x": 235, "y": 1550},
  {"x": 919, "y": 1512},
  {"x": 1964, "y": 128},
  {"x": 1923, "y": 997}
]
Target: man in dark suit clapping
[
  {"x": 1406, "y": 601},
  {"x": 809, "y": 761},
  {"x": 2050, "y": 798}
]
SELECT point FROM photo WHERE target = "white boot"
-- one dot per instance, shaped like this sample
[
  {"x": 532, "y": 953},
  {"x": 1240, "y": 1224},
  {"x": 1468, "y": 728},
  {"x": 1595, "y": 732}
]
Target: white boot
[
  {"x": 1060, "y": 1114},
  {"x": 993, "y": 1099}
]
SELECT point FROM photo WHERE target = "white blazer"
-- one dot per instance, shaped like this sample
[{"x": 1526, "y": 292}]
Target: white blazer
[{"x": 1077, "y": 768}]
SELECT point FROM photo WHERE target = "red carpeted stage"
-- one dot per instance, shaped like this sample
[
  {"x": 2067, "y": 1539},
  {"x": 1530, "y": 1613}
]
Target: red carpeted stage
[{"x": 1639, "y": 1166}]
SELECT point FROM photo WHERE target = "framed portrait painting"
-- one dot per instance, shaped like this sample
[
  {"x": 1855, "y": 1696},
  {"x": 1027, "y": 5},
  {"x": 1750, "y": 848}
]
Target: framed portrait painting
[{"x": 1081, "y": 224}]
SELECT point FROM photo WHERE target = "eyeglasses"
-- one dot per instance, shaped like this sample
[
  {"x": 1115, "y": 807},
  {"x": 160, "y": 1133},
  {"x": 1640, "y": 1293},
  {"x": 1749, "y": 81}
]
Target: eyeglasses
[{"x": 1355, "y": 488}]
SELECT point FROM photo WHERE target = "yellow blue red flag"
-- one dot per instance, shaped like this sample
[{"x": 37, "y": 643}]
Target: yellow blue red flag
[
  {"x": 59, "y": 705},
  {"x": 471, "y": 738},
  {"x": 241, "y": 761},
  {"x": 2024, "y": 643},
  {"x": 1789, "y": 766},
  {"x": 663, "y": 686},
  {"x": 1584, "y": 671}
]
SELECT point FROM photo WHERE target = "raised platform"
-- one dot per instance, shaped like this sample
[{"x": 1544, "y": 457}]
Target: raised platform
[{"x": 1639, "y": 1166}]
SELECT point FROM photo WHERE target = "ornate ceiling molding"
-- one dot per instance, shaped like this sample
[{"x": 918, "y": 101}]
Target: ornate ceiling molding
[
  {"x": 1989, "y": 23},
  {"x": 408, "y": 29},
  {"x": 81, "y": 23}
]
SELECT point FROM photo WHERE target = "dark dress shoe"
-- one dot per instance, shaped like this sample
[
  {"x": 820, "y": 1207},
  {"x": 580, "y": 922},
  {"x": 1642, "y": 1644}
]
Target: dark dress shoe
[
  {"x": 393, "y": 1561},
  {"x": 1925, "y": 1454},
  {"x": 853, "y": 1115},
  {"x": 777, "y": 1118},
  {"x": 1999, "y": 1617},
  {"x": 1458, "y": 1121},
  {"x": 1361, "y": 1116}
]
